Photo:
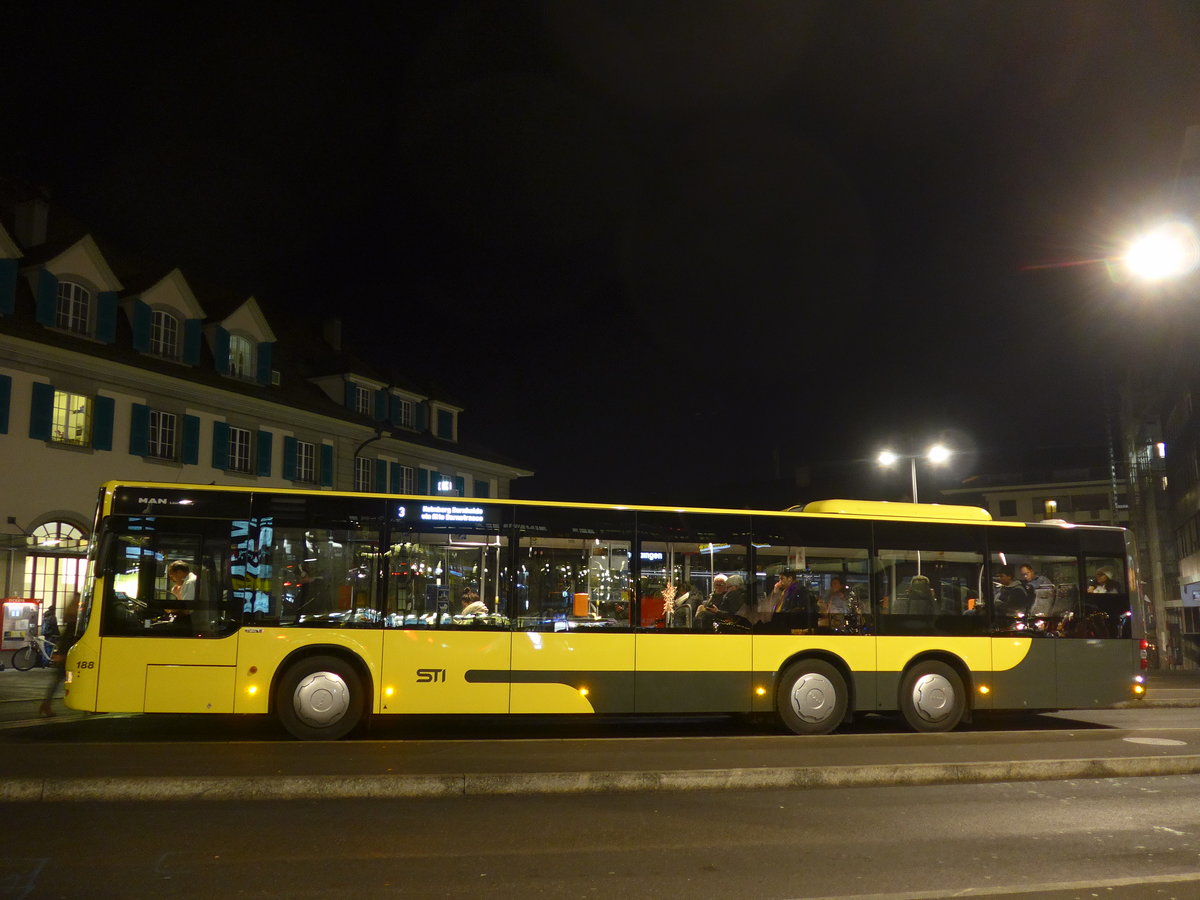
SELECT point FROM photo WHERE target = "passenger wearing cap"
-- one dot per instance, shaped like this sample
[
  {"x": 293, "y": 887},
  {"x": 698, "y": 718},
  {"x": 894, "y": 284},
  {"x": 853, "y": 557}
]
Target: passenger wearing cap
[{"x": 1102, "y": 583}]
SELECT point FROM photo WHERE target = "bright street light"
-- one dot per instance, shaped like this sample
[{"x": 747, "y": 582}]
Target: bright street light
[
  {"x": 936, "y": 454},
  {"x": 1165, "y": 252}
]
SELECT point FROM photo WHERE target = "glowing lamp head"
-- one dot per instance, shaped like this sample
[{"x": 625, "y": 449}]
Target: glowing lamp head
[
  {"x": 887, "y": 458},
  {"x": 1168, "y": 251},
  {"x": 938, "y": 453}
]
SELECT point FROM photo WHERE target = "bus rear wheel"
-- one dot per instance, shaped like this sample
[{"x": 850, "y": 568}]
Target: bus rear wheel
[
  {"x": 811, "y": 697},
  {"x": 320, "y": 698},
  {"x": 932, "y": 697}
]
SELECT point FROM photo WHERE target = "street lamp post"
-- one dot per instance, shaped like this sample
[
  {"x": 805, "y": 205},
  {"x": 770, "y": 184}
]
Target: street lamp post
[{"x": 936, "y": 454}]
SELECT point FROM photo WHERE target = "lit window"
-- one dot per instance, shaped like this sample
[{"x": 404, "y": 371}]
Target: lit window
[
  {"x": 164, "y": 335},
  {"x": 362, "y": 400},
  {"x": 239, "y": 449},
  {"x": 1051, "y": 509},
  {"x": 72, "y": 419},
  {"x": 74, "y": 307},
  {"x": 306, "y": 461},
  {"x": 1164, "y": 482},
  {"x": 1162, "y": 450},
  {"x": 162, "y": 435},
  {"x": 363, "y": 468},
  {"x": 241, "y": 356}
]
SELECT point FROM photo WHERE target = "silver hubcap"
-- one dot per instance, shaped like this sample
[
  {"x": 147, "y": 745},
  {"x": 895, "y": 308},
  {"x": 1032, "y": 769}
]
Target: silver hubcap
[
  {"x": 813, "y": 697},
  {"x": 933, "y": 697},
  {"x": 321, "y": 699}
]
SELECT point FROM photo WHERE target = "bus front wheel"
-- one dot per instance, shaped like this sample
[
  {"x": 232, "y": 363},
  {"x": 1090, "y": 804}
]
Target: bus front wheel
[
  {"x": 932, "y": 697},
  {"x": 812, "y": 697},
  {"x": 320, "y": 699}
]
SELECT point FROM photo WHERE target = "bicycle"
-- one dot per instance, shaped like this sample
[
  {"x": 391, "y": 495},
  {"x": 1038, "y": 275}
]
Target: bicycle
[{"x": 36, "y": 652}]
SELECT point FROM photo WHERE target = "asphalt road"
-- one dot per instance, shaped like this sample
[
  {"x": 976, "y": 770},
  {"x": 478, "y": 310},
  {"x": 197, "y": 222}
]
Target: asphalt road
[
  {"x": 1111, "y": 838},
  {"x": 162, "y": 757}
]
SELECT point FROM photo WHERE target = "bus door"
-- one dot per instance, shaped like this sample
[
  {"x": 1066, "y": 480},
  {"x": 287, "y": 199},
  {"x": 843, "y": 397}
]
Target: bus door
[
  {"x": 168, "y": 632},
  {"x": 694, "y": 625},
  {"x": 573, "y": 641},
  {"x": 446, "y": 645},
  {"x": 1096, "y": 657}
]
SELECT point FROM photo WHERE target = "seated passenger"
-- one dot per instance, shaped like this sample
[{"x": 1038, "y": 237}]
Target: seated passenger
[
  {"x": 918, "y": 600},
  {"x": 834, "y": 606},
  {"x": 1039, "y": 588},
  {"x": 1010, "y": 598},
  {"x": 472, "y": 605},
  {"x": 728, "y": 598},
  {"x": 1102, "y": 583}
]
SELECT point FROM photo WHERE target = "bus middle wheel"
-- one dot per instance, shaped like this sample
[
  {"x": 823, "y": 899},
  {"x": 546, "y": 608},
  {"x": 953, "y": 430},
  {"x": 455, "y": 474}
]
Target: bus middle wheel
[
  {"x": 932, "y": 697},
  {"x": 812, "y": 697}
]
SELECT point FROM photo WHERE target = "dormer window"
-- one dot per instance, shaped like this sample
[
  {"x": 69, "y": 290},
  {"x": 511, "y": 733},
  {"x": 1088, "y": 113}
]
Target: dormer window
[
  {"x": 404, "y": 413},
  {"x": 362, "y": 400},
  {"x": 164, "y": 335},
  {"x": 241, "y": 356},
  {"x": 74, "y": 308}
]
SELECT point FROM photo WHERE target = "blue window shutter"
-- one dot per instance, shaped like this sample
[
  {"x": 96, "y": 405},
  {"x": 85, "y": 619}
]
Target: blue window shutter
[
  {"x": 421, "y": 416},
  {"x": 5, "y": 401},
  {"x": 221, "y": 350},
  {"x": 140, "y": 321},
  {"x": 106, "y": 316},
  {"x": 8, "y": 286},
  {"x": 445, "y": 424},
  {"x": 422, "y": 481},
  {"x": 264, "y": 362},
  {"x": 193, "y": 333},
  {"x": 394, "y": 477},
  {"x": 289, "y": 458},
  {"x": 349, "y": 395},
  {"x": 381, "y": 405},
  {"x": 381, "y": 475},
  {"x": 191, "y": 441},
  {"x": 460, "y": 485},
  {"x": 47, "y": 297},
  {"x": 326, "y": 465},
  {"x": 264, "y": 454},
  {"x": 220, "y": 448},
  {"x": 139, "y": 429},
  {"x": 102, "y": 422},
  {"x": 482, "y": 488},
  {"x": 394, "y": 410},
  {"x": 41, "y": 412}
]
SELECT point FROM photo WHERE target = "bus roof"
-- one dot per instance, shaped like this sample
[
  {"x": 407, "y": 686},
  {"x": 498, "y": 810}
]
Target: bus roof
[
  {"x": 861, "y": 509},
  {"x": 883, "y": 509}
]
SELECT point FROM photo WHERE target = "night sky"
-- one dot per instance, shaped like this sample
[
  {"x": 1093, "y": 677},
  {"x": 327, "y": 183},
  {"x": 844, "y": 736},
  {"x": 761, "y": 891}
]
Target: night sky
[{"x": 661, "y": 252}]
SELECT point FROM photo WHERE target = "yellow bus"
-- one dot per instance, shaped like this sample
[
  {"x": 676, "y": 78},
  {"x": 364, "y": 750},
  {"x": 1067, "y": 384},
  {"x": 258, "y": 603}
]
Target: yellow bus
[{"x": 325, "y": 608}]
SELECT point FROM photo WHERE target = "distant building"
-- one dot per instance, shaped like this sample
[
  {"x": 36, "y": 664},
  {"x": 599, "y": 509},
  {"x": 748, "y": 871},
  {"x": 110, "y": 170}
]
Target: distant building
[
  {"x": 111, "y": 368},
  {"x": 1083, "y": 496}
]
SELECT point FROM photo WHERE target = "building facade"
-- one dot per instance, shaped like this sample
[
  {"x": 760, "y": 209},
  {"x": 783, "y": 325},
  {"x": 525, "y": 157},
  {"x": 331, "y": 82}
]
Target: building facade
[{"x": 115, "y": 370}]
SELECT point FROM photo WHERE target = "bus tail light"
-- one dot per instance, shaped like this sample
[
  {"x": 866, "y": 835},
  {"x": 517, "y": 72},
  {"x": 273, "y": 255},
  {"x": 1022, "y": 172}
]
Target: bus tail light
[{"x": 1144, "y": 653}]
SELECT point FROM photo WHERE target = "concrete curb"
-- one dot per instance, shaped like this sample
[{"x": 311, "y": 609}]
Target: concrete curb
[{"x": 333, "y": 787}]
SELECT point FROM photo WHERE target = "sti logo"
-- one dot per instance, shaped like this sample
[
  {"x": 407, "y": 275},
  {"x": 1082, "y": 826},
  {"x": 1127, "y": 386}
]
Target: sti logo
[{"x": 431, "y": 676}]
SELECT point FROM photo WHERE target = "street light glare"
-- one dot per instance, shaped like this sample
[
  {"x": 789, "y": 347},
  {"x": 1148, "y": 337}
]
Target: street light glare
[
  {"x": 1168, "y": 251},
  {"x": 938, "y": 453},
  {"x": 887, "y": 458}
]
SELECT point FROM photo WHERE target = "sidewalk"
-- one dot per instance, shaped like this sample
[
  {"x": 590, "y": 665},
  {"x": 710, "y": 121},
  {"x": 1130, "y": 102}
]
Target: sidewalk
[{"x": 134, "y": 757}]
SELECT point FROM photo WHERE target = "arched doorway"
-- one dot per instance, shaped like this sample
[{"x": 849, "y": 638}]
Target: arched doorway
[{"x": 55, "y": 564}]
